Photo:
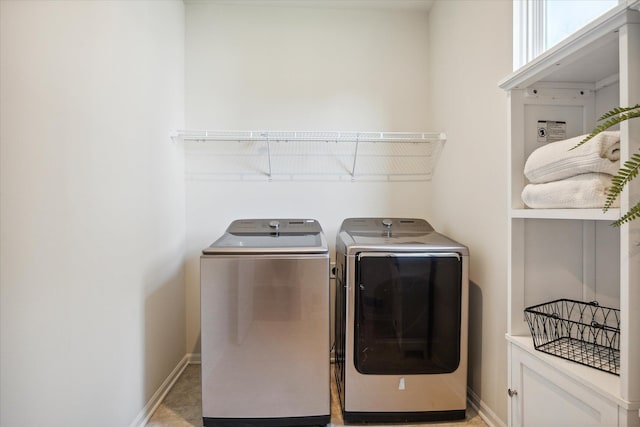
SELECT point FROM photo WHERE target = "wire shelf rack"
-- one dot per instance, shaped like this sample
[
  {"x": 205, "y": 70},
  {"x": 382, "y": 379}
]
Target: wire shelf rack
[{"x": 246, "y": 155}]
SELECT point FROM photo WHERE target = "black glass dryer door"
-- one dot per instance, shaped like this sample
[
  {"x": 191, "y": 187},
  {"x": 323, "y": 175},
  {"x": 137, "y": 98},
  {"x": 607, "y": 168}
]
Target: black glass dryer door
[{"x": 408, "y": 313}]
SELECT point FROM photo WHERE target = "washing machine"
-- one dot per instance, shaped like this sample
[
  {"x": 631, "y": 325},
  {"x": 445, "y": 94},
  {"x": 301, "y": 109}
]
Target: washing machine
[
  {"x": 265, "y": 325},
  {"x": 401, "y": 321}
]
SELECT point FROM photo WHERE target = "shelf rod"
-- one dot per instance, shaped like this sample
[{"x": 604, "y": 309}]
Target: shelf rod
[{"x": 388, "y": 137}]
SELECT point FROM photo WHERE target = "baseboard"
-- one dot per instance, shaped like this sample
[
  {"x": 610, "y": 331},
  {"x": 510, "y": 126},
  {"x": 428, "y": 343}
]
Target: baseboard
[
  {"x": 487, "y": 415},
  {"x": 157, "y": 398},
  {"x": 194, "y": 358}
]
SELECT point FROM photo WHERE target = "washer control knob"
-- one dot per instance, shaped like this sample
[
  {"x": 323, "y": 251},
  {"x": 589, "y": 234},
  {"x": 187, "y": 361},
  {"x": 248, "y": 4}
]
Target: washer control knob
[
  {"x": 274, "y": 224},
  {"x": 387, "y": 222}
]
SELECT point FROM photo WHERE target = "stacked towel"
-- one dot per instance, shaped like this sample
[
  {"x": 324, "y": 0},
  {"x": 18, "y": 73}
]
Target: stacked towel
[
  {"x": 556, "y": 160},
  {"x": 587, "y": 190},
  {"x": 563, "y": 178}
]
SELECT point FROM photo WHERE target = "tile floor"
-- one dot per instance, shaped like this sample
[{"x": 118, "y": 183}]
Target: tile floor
[{"x": 182, "y": 408}]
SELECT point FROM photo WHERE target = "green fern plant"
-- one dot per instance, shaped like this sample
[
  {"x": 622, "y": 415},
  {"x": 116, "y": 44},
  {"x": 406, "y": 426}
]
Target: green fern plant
[{"x": 631, "y": 167}]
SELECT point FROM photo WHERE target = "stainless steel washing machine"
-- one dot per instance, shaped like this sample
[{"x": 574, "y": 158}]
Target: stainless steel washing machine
[
  {"x": 265, "y": 325},
  {"x": 401, "y": 321}
]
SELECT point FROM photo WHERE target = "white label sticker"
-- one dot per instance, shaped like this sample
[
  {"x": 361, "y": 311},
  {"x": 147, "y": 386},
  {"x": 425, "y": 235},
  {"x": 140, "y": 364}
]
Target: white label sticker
[
  {"x": 401, "y": 384},
  {"x": 550, "y": 131}
]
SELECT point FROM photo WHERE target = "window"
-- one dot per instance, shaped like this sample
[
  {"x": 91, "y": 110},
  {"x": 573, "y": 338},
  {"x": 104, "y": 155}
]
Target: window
[{"x": 540, "y": 24}]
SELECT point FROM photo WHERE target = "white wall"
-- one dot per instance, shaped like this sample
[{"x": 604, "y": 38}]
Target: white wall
[
  {"x": 92, "y": 214},
  {"x": 470, "y": 51},
  {"x": 283, "y": 67}
]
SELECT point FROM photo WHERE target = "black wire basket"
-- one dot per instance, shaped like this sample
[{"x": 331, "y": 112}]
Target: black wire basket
[{"x": 585, "y": 333}]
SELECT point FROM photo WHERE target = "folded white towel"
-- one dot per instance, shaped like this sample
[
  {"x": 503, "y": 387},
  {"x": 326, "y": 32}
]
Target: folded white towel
[
  {"x": 556, "y": 160},
  {"x": 588, "y": 190}
]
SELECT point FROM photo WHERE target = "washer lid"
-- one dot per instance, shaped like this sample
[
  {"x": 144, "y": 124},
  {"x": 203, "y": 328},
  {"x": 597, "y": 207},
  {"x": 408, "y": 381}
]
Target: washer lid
[
  {"x": 252, "y": 236},
  {"x": 267, "y": 227},
  {"x": 395, "y": 234},
  {"x": 395, "y": 226}
]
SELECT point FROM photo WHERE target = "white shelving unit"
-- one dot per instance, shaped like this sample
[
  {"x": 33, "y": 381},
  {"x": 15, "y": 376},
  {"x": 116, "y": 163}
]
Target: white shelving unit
[
  {"x": 574, "y": 253},
  {"x": 295, "y": 155}
]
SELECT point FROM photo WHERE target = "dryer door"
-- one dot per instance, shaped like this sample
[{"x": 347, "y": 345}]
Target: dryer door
[{"x": 408, "y": 312}]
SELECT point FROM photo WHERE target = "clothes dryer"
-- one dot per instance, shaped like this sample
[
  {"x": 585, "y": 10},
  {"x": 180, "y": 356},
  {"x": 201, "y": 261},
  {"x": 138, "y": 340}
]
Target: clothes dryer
[
  {"x": 401, "y": 321},
  {"x": 265, "y": 325}
]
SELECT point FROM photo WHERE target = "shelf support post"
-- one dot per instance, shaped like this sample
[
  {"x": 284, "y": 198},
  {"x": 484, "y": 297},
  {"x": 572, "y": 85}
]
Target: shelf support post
[
  {"x": 630, "y": 232},
  {"x": 269, "y": 156},
  {"x": 355, "y": 157}
]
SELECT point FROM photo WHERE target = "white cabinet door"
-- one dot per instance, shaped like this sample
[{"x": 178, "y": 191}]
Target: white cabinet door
[{"x": 544, "y": 397}]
